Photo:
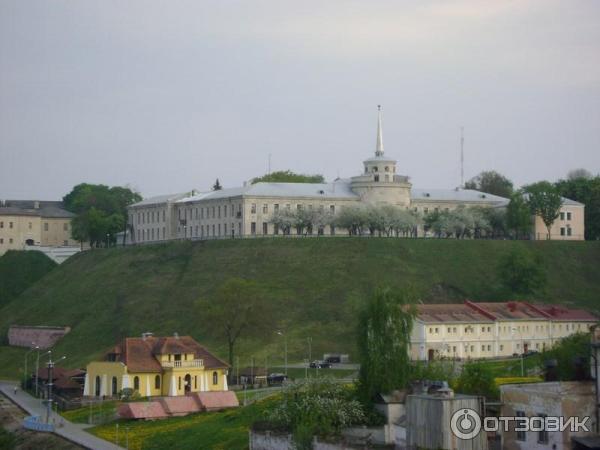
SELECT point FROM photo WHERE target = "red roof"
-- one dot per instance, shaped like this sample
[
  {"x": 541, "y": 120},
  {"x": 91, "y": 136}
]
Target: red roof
[
  {"x": 216, "y": 400},
  {"x": 557, "y": 312},
  {"x": 142, "y": 410},
  {"x": 180, "y": 406},
  {"x": 139, "y": 354}
]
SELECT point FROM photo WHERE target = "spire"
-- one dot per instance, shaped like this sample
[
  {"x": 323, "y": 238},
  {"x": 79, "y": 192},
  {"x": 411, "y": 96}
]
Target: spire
[{"x": 379, "y": 147}]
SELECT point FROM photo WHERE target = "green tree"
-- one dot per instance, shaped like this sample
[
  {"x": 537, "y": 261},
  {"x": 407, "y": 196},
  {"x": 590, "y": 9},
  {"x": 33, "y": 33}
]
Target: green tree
[
  {"x": 544, "y": 200},
  {"x": 521, "y": 272},
  {"x": 384, "y": 328},
  {"x": 567, "y": 352},
  {"x": 217, "y": 186},
  {"x": 584, "y": 189},
  {"x": 287, "y": 176},
  {"x": 518, "y": 216},
  {"x": 238, "y": 309},
  {"x": 477, "y": 378},
  {"x": 491, "y": 182},
  {"x": 101, "y": 211}
]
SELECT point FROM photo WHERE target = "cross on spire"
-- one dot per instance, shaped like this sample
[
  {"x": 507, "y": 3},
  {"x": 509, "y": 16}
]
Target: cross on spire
[{"x": 379, "y": 146}]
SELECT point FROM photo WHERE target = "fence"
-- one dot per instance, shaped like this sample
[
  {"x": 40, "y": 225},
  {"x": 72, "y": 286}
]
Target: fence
[{"x": 34, "y": 423}]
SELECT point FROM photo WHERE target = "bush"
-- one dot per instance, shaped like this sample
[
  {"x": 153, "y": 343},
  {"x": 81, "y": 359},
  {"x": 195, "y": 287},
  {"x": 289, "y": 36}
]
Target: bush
[
  {"x": 566, "y": 352},
  {"x": 477, "y": 379}
]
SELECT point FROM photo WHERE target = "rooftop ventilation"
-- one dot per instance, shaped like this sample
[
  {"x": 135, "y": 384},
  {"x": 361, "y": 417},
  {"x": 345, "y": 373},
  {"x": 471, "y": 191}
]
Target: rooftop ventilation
[
  {"x": 322, "y": 192},
  {"x": 176, "y": 335},
  {"x": 427, "y": 194},
  {"x": 147, "y": 334}
]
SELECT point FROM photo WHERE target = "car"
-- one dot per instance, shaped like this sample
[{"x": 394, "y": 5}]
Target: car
[
  {"x": 530, "y": 353},
  {"x": 317, "y": 364},
  {"x": 276, "y": 379}
]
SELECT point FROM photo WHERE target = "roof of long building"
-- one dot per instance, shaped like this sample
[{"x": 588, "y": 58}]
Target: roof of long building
[{"x": 34, "y": 208}]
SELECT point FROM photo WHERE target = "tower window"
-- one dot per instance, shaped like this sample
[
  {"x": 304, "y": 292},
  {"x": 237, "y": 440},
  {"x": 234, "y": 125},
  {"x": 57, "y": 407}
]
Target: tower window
[{"x": 375, "y": 169}]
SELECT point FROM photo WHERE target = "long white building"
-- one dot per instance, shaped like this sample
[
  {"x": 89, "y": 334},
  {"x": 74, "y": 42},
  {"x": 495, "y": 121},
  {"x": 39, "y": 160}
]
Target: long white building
[{"x": 247, "y": 210}]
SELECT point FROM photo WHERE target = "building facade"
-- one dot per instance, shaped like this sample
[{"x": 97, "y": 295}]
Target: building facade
[
  {"x": 492, "y": 330},
  {"x": 29, "y": 223},
  {"x": 248, "y": 210},
  {"x": 156, "y": 366}
]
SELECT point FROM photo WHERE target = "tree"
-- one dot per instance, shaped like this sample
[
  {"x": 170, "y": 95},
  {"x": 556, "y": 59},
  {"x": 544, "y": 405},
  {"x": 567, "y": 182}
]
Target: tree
[
  {"x": 587, "y": 191},
  {"x": 384, "y": 328},
  {"x": 287, "y": 176},
  {"x": 100, "y": 211},
  {"x": 521, "y": 272},
  {"x": 567, "y": 352},
  {"x": 491, "y": 182},
  {"x": 284, "y": 220},
  {"x": 579, "y": 173},
  {"x": 477, "y": 378},
  {"x": 217, "y": 186},
  {"x": 518, "y": 215},
  {"x": 238, "y": 309},
  {"x": 545, "y": 201}
]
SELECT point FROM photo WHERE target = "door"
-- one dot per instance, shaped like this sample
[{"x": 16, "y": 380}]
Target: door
[
  {"x": 430, "y": 354},
  {"x": 188, "y": 383}
]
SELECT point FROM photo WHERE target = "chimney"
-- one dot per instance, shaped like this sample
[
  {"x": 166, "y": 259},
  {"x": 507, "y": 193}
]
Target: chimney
[
  {"x": 176, "y": 335},
  {"x": 146, "y": 335}
]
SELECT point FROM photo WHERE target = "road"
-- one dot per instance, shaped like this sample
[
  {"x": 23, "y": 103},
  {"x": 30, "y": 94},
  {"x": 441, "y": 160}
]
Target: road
[{"x": 71, "y": 431}]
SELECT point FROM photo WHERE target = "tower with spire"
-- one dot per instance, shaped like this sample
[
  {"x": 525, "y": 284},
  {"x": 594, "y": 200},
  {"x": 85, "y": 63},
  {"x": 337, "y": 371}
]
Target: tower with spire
[{"x": 380, "y": 183}]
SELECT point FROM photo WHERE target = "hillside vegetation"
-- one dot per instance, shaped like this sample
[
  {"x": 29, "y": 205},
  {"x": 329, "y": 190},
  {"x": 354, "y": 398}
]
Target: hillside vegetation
[
  {"x": 315, "y": 284},
  {"x": 19, "y": 270}
]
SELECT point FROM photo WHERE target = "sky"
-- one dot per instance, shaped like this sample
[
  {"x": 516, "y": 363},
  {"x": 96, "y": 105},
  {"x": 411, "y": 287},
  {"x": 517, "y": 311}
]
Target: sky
[{"x": 167, "y": 96}]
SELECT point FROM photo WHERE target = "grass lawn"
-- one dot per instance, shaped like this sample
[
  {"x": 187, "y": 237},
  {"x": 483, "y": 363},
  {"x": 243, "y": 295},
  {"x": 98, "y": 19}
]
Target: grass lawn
[
  {"x": 95, "y": 413},
  {"x": 224, "y": 430},
  {"x": 512, "y": 367}
]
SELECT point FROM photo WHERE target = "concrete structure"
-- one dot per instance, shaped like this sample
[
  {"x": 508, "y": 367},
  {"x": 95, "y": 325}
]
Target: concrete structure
[
  {"x": 30, "y": 335},
  {"x": 26, "y": 223},
  {"x": 153, "y": 366},
  {"x": 248, "y": 210},
  {"x": 491, "y": 330},
  {"x": 552, "y": 399}
]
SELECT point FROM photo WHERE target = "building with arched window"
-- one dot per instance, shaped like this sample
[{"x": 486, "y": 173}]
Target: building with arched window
[{"x": 156, "y": 366}]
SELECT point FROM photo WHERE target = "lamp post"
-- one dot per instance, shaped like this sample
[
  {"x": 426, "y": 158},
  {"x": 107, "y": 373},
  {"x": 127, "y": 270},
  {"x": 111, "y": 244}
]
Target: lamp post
[
  {"x": 107, "y": 239},
  {"x": 25, "y": 372},
  {"x": 309, "y": 339},
  {"x": 50, "y": 365},
  {"x": 281, "y": 333},
  {"x": 522, "y": 352},
  {"x": 37, "y": 369}
]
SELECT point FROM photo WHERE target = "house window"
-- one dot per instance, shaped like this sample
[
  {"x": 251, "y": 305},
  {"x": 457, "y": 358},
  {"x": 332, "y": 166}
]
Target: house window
[
  {"x": 253, "y": 228},
  {"x": 219, "y": 212},
  {"x": 521, "y": 436},
  {"x": 265, "y": 208},
  {"x": 10, "y": 240},
  {"x": 219, "y": 229},
  {"x": 45, "y": 226},
  {"x": 568, "y": 216},
  {"x": 215, "y": 378},
  {"x": 65, "y": 243},
  {"x": 483, "y": 348},
  {"x": 98, "y": 386},
  {"x": 275, "y": 228},
  {"x": 265, "y": 227},
  {"x": 562, "y": 216},
  {"x": 489, "y": 348},
  {"x": 253, "y": 208},
  {"x": 562, "y": 231},
  {"x": 114, "y": 386},
  {"x": 225, "y": 229},
  {"x": 136, "y": 383},
  {"x": 501, "y": 347},
  {"x": 1, "y": 224},
  {"x": 276, "y": 207},
  {"x": 157, "y": 382},
  {"x": 569, "y": 231},
  {"x": 376, "y": 177},
  {"x": 1, "y": 241}
]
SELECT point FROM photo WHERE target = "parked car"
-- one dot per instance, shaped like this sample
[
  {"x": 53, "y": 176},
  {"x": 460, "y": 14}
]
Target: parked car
[
  {"x": 333, "y": 359},
  {"x": 530, "y": 353},
  {"x": 276, "y": 379},
  {"x": 317, "y": 364}
]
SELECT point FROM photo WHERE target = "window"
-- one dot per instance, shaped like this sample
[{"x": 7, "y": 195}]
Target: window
[
  {"x": 65, "y": 243},
  {"x": 425, "y": 210},
  {"x": 376, "y": 178},
  {"x": 562, "y": 216},
  {"x": 1, "y": 224},
  {"x": 179, "y": 383},
  {"x": 164, "y": 215},
  {"x": 568, "y": 216},
  {"x": 275, "y": 228},
  {"x": 489, "y": 348},
  {"x": 215, "y": 378},
  {"x": 195, "y": 381},
  {"x": 253, "y": 228},
  {"x": 387, "y": 169},
  {"x": 265, "y": 208},
  {"x": 225, "y": 229},
  {"x": 98, "y": 386},
  {"x": 483, "y": 329},
  {"x": 31, "y": 225},
  {"x": 276, "y": 207},
  {"x": 501, "y": 347},
  {"x": 253, "y": 208},
  {"x": 472, "y": 348},
  {"x": 224, "y": 211},
  {"x": 136, "y": 383},
  {"x": 45, "y": 226},
  {"x": 219, "y": 230},
  {"x": 562, "y": 231},
  {"x": 219, "y": 212},
  {"x": 483, "y": 348},
  {"x": 332, "y": 209},
  {"x": 436, "y": 330},
  {"x": 449, "y": 330},
  {"x": 157, "y": 382},
  {"x": 10, "y": 240},
  {"x": 569, "y": 231},
  {"x": 213, "y": 212},
  {"x": 299, "y": 207},
  {"x": 520, "y": 423},
  {"x": 265, "y": 227},
  {"x": 114, "y": 386},
  {"x": 1, "y": 241}
]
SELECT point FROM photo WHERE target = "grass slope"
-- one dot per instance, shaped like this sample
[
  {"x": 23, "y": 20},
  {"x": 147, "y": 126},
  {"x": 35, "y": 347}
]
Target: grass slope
[
  {"x": 19, "y": 270},
  {"x": 316, "y": 284}
]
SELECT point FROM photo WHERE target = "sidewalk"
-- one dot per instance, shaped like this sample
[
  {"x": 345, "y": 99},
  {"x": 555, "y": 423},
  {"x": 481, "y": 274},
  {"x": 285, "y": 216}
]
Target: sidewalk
[{"x": 71, "y": 431}]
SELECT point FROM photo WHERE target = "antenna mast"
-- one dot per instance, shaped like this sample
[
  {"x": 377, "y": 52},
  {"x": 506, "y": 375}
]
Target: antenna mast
[
  {"x": 462, "y": 158},
  {"x": 269, "y": 165}
]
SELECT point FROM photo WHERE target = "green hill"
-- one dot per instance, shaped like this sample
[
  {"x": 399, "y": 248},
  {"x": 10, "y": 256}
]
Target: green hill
[
  {"x": 19, "y": 270},
  {"x": 315, "y": 284}
]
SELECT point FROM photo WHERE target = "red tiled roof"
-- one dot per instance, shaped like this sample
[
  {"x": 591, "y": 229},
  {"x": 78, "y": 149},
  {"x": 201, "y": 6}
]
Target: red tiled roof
[
  {"x": 216, "y": 400},
  {"x": 180, "y": 406},
  {"x": 139, "y": 354},
  {"x": 561, "y": 313},
  {"x": 142, "y": 410},
  {"x": 451, "y": 312}
]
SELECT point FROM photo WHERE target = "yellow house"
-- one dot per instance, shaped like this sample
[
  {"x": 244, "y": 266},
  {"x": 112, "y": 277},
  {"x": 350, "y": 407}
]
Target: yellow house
[{"x": 156, "y": 366}]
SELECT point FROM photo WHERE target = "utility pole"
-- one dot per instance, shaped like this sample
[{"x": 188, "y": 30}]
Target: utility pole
[
  {"x": 50, "y": 365},
  {"x": 37, "y": 369},
  {"x": 462, "y": 158}
]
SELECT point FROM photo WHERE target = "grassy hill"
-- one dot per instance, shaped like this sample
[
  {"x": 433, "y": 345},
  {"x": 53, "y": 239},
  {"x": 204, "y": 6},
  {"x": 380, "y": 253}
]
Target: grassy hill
[
  {"x": 19, "y": 270},
  {"x": 316, "y": 285}
]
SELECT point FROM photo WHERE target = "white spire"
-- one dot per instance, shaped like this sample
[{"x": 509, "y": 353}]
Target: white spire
[{"x": 379, "y": 147}]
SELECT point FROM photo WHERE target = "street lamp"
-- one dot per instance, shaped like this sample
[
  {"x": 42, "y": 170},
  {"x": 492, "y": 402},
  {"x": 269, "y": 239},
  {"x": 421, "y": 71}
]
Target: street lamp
[
  {"x": 309, "y": 339},
  {"x": 280, "y": 333},
  {"x": 25, "y": 372},
  {"x": 513, "y": 329},
  {"x": 50, "y": 365},
  {"x": 107, "y": 240}
]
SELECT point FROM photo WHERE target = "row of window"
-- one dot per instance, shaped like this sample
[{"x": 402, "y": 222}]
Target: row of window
[
  {"x": 157, "y": 383},
  {"x": 288, "y": 207},
  {"x": 568, "y": 215},
  {"x": 505, "y": 329},
  {"x": 151, "y": 216},
  {"x": 30, "y": 226},
  {"x": 566, "y": 231},
  {"x": 210, "y": 212},
  {"x": 542, "y": 434},
  {"x": 299, "y": 230}
]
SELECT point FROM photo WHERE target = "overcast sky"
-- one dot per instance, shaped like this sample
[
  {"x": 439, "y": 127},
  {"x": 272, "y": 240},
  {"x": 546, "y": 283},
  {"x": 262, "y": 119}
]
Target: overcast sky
[{"x": 167, "y": 96}]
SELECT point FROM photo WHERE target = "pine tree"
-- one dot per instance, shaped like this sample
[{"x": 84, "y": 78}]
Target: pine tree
[{"x": 217, "y": 186}]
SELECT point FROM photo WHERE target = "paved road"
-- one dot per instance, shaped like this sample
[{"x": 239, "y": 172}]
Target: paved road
[{"x": 71, "y": 431}]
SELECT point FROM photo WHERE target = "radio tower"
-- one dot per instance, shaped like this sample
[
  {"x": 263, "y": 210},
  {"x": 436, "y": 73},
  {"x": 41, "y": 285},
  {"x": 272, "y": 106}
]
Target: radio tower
[{"x": 462, "y": 158}]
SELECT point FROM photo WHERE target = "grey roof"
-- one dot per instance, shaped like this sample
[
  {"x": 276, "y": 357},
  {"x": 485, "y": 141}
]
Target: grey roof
[
  {"x": 380, "y": 159},
  {"x": 337, "y": 189},
  {"x": 50, "y": 209},
  {"x": 566, "y": 201},
  {"x": 160, "y": 199},
  {"x": 455, "y": 195}
]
